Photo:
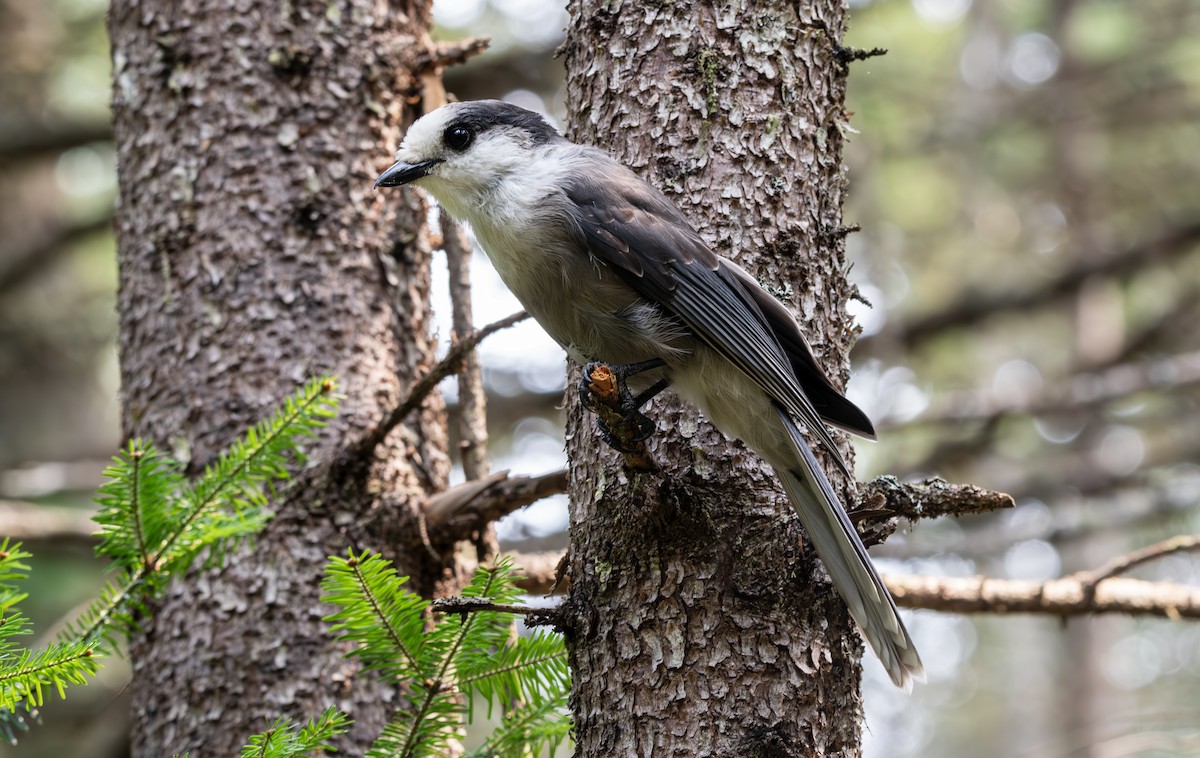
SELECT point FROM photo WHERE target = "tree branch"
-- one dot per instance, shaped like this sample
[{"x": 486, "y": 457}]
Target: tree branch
[
  {"x": 35, "y": 140},
  {"x": 40, "y": 253},
  {"x": 454, "y": 52},
  {"x": 472, "y": 400},
  {"x": 975, "y": 307},
  {"x": 624, "y": 433},
  {"x": 1127, "y": 562},
  {"x": 427, "y": 383},
  {"x": 44, "y": 523},
  {"x": 1069, "y": 596},
  {"x": 475, "y": 604},
  {"x": 534, "y": 616},
  {"x": 882, "y": 501},
  {"x": 888, "y": 497},
  {"x": 459, "y": 511},
  {"x": 1074, "y": 393}
]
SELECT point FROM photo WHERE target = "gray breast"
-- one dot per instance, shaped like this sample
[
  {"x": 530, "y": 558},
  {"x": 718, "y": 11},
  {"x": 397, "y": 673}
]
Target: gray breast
[{"x": 579, "y": 301}]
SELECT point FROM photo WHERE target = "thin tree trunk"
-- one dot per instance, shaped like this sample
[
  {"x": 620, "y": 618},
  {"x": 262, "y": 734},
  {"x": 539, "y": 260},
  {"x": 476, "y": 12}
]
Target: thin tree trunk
[
  {"x": 701, "y": 626},
  {"x": 253, "y": 255}
]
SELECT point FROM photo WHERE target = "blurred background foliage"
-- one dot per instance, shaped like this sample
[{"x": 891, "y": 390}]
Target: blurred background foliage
[{"x": 1026, "y": 177}]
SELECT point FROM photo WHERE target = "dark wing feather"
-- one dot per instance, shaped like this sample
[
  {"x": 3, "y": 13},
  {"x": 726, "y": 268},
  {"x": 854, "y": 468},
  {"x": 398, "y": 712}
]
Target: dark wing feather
[
  {"x": 630, "y": 226},
  {"x": 832, "y": 406}
]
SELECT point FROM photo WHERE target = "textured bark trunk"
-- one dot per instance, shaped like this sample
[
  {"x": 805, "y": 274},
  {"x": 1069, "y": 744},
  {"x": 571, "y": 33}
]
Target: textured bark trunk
[
  {"x": 253, "y": 255},
  {"x": 701, "y": 624}
]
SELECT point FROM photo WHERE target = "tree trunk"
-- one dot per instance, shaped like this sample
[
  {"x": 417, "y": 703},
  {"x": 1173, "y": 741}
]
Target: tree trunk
[
  {"x": 701, "y": 625},
  {"x": 253, "y": 255}
]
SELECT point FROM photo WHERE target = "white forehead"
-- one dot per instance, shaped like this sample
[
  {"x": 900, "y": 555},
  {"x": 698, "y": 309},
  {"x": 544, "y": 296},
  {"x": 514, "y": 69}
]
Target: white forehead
[{"x": 424, "y": 137}]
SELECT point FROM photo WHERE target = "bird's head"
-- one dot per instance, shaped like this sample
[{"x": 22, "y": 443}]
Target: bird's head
[{"x": 462, "y": 150}]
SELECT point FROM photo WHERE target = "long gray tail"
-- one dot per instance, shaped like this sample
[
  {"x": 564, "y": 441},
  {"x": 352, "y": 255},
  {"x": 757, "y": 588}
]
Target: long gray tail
[{"x": 846, "y": 560}]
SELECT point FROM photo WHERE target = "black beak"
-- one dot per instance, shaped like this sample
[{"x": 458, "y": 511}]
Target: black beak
[{"x": 403, "y": 173}]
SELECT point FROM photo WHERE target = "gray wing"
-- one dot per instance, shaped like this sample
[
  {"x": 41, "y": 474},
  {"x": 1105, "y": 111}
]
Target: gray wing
[{"x": 632, "y": 227}]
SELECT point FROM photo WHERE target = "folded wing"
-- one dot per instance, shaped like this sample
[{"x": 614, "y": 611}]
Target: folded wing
[{"x": 632, "y": 227}]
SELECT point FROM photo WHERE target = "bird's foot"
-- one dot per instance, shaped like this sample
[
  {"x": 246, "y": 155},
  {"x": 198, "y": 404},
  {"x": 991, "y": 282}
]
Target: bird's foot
[
  {"x": 634, "y": 430},
  {"x": 620, "y": 422}
]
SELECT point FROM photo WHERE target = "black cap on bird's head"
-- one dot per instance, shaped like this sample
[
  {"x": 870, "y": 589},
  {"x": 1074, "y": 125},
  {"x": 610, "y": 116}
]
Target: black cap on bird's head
[{"x": 446, "y": 135}]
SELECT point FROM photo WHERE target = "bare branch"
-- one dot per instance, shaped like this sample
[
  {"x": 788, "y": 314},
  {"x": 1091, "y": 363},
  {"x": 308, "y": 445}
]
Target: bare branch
[
  {"x": 851, "y": 54},
  {"x": 427, "y": 383},
  {"x": 472, "y": 400},
  {"x": 1074, "y": 393},
  {"x": 624, "y": 433},
  {"x": 885, "y": 498},
  {"x": 475, "y": 604},
  {"x": 1068, "y": 596},
  {"x": 534, "y": 616},
  {"x": 43, "y": 523},
  {"x": 975, "y": 307},
  {"x": 40, "y": 253},
  {"x": 36, "y": 140},
  {"x": 1124, "y": 563},
  {"x": 454, "y": 52},
  {"x": 459, "y": 511}
]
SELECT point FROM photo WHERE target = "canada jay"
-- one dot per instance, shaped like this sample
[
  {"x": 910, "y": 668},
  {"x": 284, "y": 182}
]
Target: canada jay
[{"x": 615, "y": 273}]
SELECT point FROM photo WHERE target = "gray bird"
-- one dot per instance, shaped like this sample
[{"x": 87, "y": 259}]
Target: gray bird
[{"x": 613, "y": 271}]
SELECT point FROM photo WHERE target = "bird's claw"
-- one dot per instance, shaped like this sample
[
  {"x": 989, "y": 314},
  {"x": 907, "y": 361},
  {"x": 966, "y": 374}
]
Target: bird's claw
[
  {"x": 638, "y": 428},
  {"x": 618, "y": 421}
]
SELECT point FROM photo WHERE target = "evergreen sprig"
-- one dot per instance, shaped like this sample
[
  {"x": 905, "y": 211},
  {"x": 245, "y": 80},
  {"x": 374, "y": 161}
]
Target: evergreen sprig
[
  {"x": 26, "y": 674},
  {"x": 285, "y": 740},
  {"x": 384, "y": 620},
  {"x": 529, "y": 730},
  {"x": 154, "y": 525},
  {"x": 441, "y": 670}
]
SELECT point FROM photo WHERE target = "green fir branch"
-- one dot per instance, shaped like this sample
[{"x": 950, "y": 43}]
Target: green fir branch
[
  {"x": 440, "y": 669},
  {"x": 138, "y": 504},
  {"x": 238, "y": 479},
  {"x": 153, "y": 526},
  {"x": 486, "y": 634},
  {"x": 25, "y": 674},
  {"x": 12, "y": 569},
  {"x": 181, "y": 521},
  {"x": 376, "y": 612},
  {"x": 532, "y": 669},
  {"x": 425, "y": 732},
  {"x": 447, "y": 640},
  {"x": 114, "y": 613},
  {"x": 530, "y": 730},
  {"x": 285, "y": 740},
  {"x": 23, "y": 681}
]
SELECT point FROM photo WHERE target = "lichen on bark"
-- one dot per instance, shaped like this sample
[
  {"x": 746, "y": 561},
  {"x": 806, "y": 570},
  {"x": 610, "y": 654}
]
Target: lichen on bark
[{"x": 700, "y": 625}]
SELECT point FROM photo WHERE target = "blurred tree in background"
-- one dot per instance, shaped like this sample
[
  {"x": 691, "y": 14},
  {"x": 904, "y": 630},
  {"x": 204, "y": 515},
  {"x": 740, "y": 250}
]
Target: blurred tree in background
[{"x": 1026, "y": 182}]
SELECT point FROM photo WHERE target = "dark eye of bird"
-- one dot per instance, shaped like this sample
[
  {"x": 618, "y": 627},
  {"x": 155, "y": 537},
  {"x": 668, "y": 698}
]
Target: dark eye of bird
[{"x": 458, "y": 137}]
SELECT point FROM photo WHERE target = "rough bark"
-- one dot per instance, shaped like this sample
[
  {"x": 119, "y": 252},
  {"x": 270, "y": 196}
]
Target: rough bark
[
  {"x": 700, "y": 625},
  {"x": 253, "y": 255}
]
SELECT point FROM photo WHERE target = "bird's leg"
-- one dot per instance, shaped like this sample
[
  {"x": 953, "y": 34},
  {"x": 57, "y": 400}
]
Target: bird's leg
[
  {"x": 620, "y": 422},
  {"x": 650, "y": 393}
]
